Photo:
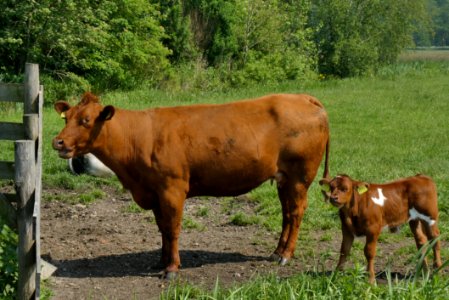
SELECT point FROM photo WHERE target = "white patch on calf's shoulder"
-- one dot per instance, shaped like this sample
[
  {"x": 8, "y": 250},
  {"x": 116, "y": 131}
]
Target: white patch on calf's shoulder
[
  {"x": 381, "y": 200},
  {"x": 414, "y": 214}
]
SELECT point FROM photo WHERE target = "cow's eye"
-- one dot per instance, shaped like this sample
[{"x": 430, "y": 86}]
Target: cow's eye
[{"x": 85, "y": 121}]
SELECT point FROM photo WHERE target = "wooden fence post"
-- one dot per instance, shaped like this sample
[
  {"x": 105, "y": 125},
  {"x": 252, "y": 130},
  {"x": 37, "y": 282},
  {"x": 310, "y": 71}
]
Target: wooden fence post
[
  {"x": 31, "y": 86},
  {"x": 25, "y": 172}
]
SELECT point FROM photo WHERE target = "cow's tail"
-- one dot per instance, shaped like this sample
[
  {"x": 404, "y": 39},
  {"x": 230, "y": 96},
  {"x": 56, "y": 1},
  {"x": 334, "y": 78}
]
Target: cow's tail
[{"x": 326, "y": 160}]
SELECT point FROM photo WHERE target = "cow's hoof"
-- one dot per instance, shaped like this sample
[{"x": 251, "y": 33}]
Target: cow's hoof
[
  {"x": 169, "y": 275},
  {"x": 274, "y": 257},
  {"x": 283, "y": 261}
]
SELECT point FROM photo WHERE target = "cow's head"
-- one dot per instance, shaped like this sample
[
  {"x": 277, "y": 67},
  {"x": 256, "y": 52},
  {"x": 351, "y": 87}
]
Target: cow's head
[
  {"x": 83, "y": 124},
  {"x": 342, "y": 190}
]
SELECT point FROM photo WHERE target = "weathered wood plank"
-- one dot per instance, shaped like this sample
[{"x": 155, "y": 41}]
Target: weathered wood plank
[
  {"x": 12, "y": 92},
  {"x": 6, "y": 170},
  {"x": 12, "y": 131},
  {"x": 31, "y": 86},
  {"x": 31, "y": 126},
  {"x": 44, "y": 270}
]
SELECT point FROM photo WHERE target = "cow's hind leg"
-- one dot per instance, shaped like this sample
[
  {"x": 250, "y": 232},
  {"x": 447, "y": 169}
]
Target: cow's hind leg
[{"x": 293, "y": 196}]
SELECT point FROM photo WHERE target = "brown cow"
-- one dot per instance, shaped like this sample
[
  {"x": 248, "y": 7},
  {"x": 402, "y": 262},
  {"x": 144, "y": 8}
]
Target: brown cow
[
  {"x": 365, "y": 209},
  {"x": 165, "y": 155}
]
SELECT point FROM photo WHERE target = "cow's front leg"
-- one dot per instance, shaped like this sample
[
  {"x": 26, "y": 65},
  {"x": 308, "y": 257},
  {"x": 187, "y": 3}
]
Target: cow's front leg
[
  {"x": 171, "y": 204},
  {"x": 165, "y": 250},
  {"x": 370, "y": 253}
]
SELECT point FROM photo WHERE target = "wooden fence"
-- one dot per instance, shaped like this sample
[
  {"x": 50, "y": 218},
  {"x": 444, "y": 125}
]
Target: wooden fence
[{"x": 21, "y": 210}]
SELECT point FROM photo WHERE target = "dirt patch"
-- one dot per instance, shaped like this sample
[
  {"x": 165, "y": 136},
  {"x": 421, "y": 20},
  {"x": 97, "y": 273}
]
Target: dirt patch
[{"x": 106, "y": 251}]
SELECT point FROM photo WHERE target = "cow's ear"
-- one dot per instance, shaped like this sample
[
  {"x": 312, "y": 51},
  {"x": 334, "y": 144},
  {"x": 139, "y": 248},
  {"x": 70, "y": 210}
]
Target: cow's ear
[
  {"x": 61, "y": 106},
  {"x": 325, "y": 185},
  {"x": 362, "y": 187},
  {"x": 107, "y": 113}
]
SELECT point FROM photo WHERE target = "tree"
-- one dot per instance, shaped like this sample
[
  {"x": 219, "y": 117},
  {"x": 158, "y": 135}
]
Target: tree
[
  {"x": 110, "y": 43},
  {"x": 355, "y": 37}
]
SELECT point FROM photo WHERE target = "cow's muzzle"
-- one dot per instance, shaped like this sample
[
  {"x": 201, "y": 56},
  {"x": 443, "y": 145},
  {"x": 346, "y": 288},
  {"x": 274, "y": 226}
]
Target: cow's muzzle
[
  {"x": 334, "y": 201},
  {"x": 63, "y": 151}
]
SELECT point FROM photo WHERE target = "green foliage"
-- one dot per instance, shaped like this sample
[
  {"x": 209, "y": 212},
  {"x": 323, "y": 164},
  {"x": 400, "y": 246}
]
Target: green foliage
[
  {"x": 357, "y": 37},
  {"x": 205, "y": 45},
  {"x": 9, "y": 272},
  {"x": 438, "y": 35},
  {"x": 111, "y": 44}
]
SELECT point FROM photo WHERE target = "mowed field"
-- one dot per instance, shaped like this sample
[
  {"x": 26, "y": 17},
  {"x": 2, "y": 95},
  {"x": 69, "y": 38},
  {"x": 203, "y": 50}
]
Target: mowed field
[{"x": 382, "y": 128}]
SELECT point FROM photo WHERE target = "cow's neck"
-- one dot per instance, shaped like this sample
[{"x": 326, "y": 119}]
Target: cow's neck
[{"x": 119, "y": 139}]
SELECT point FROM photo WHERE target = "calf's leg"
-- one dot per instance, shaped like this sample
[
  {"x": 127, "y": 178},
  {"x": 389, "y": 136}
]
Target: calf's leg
[
  {"x": 432, "y": 232},
  {"x": 346, "y": 244},
  {"x": 370, "y": 253},
  {"x": 420, "y": 238}
]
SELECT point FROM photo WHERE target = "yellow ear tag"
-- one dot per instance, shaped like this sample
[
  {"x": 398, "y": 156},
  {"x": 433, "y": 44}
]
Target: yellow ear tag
[
  {"x": 63, "y": 115},
  {"x": 326, "y": 188},
  {"x": 362, "y": 189}
]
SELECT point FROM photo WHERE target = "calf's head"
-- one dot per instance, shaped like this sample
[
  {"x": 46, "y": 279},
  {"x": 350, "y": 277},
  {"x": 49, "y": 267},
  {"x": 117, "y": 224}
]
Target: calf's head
[
  {"x": 342, "y": 190},
  {"x": 83, "y": 124}
]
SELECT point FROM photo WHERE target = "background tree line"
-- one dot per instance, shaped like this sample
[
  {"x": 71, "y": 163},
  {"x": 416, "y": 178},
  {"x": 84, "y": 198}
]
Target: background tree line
[{"x": 209, "y": 44}]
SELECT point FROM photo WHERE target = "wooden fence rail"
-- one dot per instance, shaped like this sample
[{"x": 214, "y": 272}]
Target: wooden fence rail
[{"x": 21, "y": 210}]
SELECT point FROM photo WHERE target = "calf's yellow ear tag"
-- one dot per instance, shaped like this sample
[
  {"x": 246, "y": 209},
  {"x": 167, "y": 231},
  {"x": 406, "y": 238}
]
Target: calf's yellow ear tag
[
  {"x": 325, "y": 187},
  {"x": 362, "y": 189},
  {"x": 63, "y": 115}
]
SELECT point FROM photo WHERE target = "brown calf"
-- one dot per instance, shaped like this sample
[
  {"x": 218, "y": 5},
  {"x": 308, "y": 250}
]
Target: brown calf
[
  {"x": 165, "y": 155},
  {"x": 365, "y": 209}
]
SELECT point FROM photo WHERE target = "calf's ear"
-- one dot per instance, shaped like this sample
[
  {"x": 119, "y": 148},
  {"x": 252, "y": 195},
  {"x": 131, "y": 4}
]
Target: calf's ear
[
  {"x": 325, "y": 188},
  {"x": 107, "y": 113},
  {"x": 362, "y": 187}
]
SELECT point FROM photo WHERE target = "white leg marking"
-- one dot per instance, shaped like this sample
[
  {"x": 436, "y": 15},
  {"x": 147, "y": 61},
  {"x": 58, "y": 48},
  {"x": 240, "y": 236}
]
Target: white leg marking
[
  {"x": 381, "y": 200},
  {"x": 414, "y": 214}
]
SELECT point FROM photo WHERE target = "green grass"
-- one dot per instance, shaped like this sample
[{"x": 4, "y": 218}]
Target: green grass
[
  {"x": 316, "y": 285},
  {"x": 382, "y": 128}
]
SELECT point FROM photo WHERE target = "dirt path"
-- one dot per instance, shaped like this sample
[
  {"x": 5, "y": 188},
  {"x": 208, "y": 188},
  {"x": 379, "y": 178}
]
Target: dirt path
[{"x": 104, "y": 251}]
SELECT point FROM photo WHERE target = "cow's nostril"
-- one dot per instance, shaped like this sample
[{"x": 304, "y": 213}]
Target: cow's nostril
[{"x": 60, "y": 142}]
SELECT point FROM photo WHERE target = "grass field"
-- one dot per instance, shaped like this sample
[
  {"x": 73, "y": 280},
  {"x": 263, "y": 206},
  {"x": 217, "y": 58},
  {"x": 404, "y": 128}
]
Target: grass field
[{"x": 389, "y": 126}]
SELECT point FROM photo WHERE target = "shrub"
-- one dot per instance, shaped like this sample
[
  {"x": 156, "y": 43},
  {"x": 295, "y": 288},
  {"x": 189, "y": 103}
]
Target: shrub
[{"x": 9, "y": 272}]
